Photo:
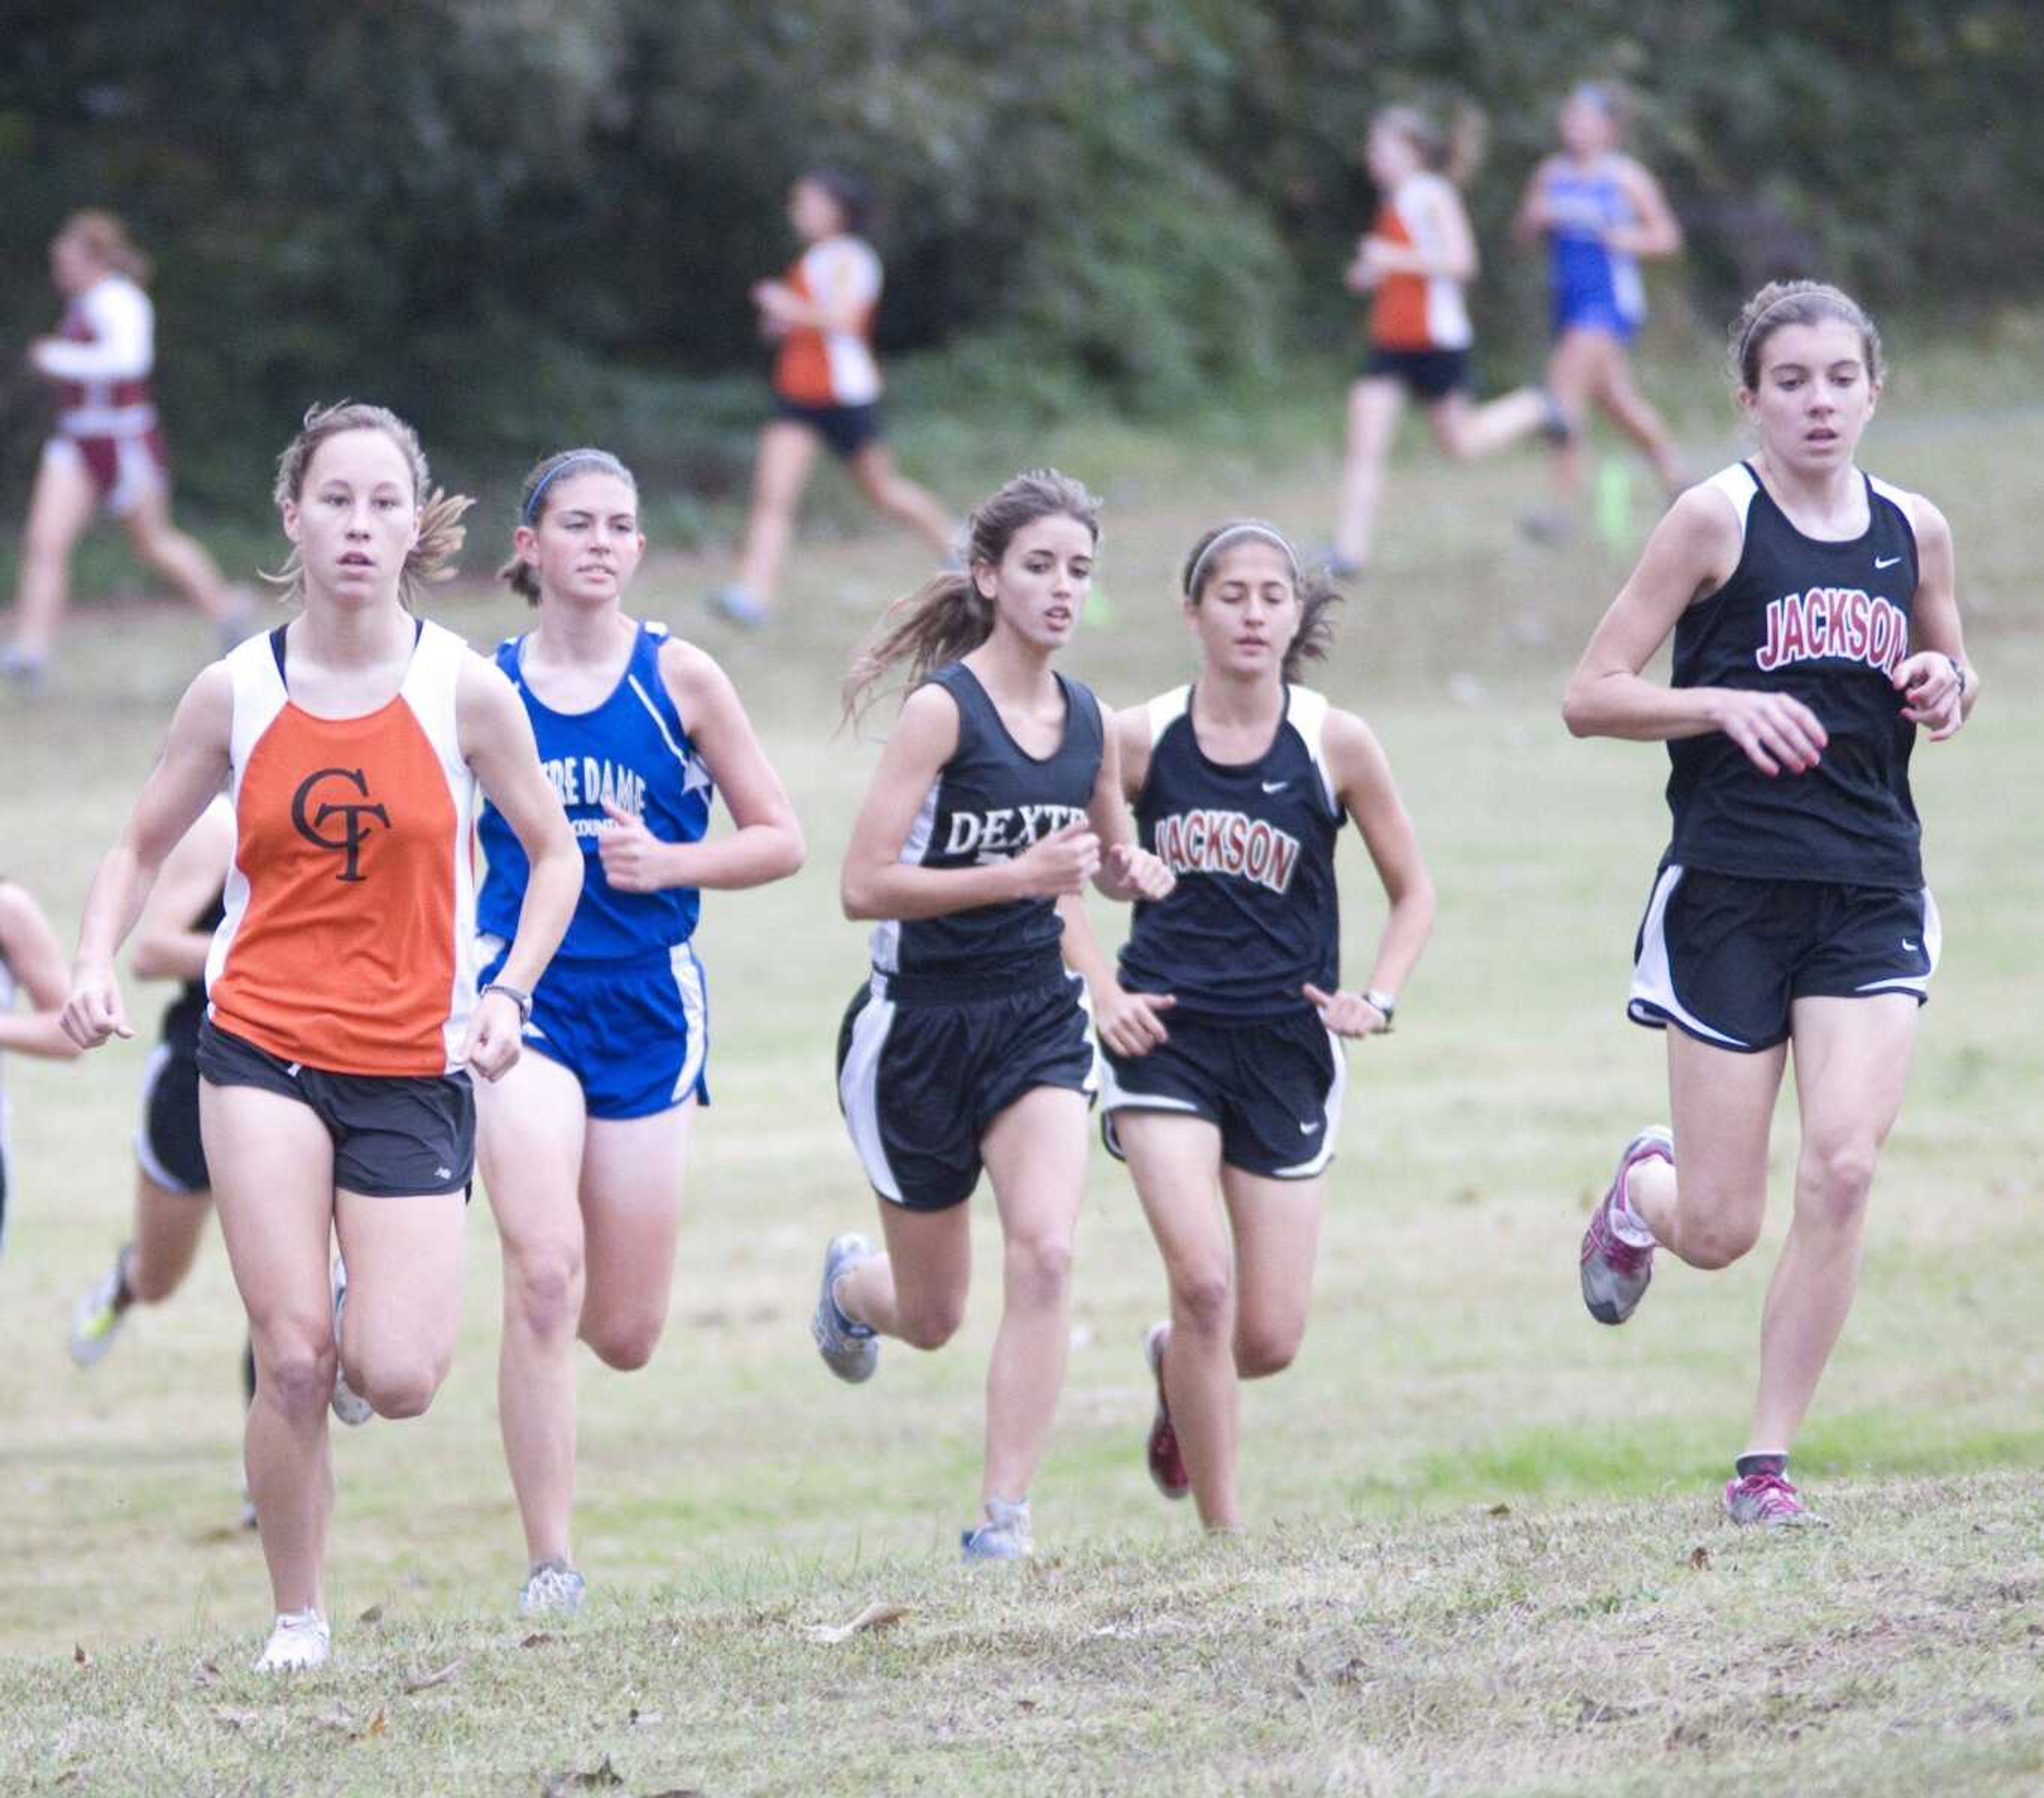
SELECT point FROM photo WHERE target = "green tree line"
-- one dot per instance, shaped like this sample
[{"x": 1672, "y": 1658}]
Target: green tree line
[{"x": 517, "y": 218}]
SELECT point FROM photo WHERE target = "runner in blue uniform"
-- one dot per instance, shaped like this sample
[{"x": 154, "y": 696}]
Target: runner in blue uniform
[
  {"x": 1598, "y": 212},
  {"x": 1222, "y": 1034},
  {"x": 584, "y": 1143},
  {"x": 1816, "y": 629},
  {"x": 996, "y": 800}
]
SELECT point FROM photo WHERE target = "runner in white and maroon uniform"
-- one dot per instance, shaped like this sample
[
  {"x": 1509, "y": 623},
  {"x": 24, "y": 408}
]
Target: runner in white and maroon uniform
[{"x": 106, "y": 449}]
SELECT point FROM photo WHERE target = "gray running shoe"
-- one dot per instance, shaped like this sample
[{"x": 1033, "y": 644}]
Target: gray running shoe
[
  {"x": 1004, "y": 1535},
  {"x": 349, "y": 1405},
  {"x": 735, "y": 605},
  {"x": 1616, "y": 1274},
  {"x": 551, "y": 1589},
  {"x": 849, "y": 1349},
  {"x": 1767, "y": 1501},
  {"x": 96, "y": 1318}
]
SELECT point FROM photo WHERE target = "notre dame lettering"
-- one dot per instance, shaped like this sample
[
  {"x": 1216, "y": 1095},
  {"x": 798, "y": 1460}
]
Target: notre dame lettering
[{"x": 353, "y": 816}]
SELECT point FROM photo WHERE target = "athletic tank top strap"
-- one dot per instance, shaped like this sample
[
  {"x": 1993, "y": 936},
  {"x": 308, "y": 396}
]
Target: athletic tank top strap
[{"x": 1738, "y": 484}]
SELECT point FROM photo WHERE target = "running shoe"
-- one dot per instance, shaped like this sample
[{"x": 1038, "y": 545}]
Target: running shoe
[
  {"x": 1167, "y": 1465},
  {"x": 735, "y": 605},
  {"x": 1555, "y": 425},
  {"x": 96, "y": 1320},
  {"x": 349, "y": 1405},
  {"x": 1004, "y": 1536},
  {"x": 1767, "y": 1501},
  {"x": 1616, "y": 1274},
  {"x": 299, "y": 1642},
  {"x": 551, "y": 1589},
  {"x": 849, "y": 1349}
]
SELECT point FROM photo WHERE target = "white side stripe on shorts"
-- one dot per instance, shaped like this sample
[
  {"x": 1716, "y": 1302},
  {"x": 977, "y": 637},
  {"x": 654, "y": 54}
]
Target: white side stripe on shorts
[
  {"x": 1653, "y": 980},
  {"x": 858, "y": 1089},
  {"x": 1932, "y": 941},
  {"x": 1331, "y": 1112},
  {"x": 695, "y": 1013}
]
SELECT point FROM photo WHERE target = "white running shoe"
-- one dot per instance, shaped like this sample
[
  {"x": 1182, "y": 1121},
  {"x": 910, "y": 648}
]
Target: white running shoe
[
  {"x": 1004, "y": 1535},
  {"x": 96, "y": 1318},
  {"x": 300, "y": 1642},
  {"x": 349, "y": 1405}
]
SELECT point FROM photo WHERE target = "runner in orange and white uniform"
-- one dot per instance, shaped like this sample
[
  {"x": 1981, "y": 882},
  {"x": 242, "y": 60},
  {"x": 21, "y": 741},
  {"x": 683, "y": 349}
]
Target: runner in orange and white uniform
[
  {"x": 343, "y": 1022},
  {"x": 826, "y": 389},
  {"x": 107, "y": 448},
  {"x": 1415, "y": 262}
]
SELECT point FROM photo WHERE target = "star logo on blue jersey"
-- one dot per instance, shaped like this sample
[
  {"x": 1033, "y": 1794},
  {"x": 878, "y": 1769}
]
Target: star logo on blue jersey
[{"x": 695, "y": 776}]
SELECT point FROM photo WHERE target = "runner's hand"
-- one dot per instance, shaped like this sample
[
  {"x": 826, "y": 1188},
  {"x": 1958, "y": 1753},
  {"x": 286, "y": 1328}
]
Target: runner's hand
[
  {"x": 1345, "y": 1013},
  {"x": 631, "y": 854},
  {"x": 1061, "y": 862},
  {"x": 94, "y": 1012},
  {"x": 1931, "y": 690},
  {"x": 1138, "y": 872},
  {"x": 1774, "y": 732},
  {"x": 495, "y": 1037},
  {"x": 1132, "y": 1023}
]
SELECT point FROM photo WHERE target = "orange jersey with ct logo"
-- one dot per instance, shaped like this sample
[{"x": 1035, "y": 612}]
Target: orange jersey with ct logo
[{"x": 347, "y": 941}]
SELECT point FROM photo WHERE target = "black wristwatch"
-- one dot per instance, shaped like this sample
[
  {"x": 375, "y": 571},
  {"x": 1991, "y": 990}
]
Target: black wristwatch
[
  {"x": 518, "y": 996},
  {"x": 1384, "y": 1004}
]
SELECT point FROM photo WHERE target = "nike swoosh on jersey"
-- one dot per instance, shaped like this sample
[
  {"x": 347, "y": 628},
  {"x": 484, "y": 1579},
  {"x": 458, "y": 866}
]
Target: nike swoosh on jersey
[
  {"x": 1889, "y": 563},
  {"x": 1275, "y": 786}
]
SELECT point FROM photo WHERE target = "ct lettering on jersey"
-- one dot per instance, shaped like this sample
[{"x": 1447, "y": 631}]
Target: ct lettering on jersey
[
  {"x": 1834, "y": 621},
  {"x": 991, "y": 836},
  {"x": 353, "y": 816},
  {"x": 1228, "y": 842}
]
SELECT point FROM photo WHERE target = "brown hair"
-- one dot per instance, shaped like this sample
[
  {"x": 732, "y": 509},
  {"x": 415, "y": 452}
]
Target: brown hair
[
  {"x": 520, "y": 576},
  {"x": 104, "y": 234},
  {"x": 1455, "y": 150},
  {"x": 440, "y": 529},
  {"x": 1780, "y": 304},
  {"x": 1316, "y": 591},
  {"x": 948, "y": 617}
]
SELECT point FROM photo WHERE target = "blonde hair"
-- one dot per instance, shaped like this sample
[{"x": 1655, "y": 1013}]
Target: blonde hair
[
  {"x": 519, "y": 576},
  {"x": 441, "y": 532},
  {"x": 948, "y": 617},
  {"x": 1455, "y": 151},
  {"x": 106, "y": 238},
  {"x": 1315, "y": 635},
  {"x": 1780, "y": 304}
]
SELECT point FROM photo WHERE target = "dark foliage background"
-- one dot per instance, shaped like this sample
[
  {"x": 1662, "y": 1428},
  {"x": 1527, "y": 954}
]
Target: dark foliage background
[{"x": 522, "y": 221}]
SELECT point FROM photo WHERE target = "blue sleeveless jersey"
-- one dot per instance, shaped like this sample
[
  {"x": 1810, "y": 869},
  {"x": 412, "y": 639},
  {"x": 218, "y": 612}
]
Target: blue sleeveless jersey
[
  {"x": 989, "y": 802},
  {"x": 1590, "y": 285},
  {"x": 1254, "y": 915},
  {"x": 634, "y": 751}
]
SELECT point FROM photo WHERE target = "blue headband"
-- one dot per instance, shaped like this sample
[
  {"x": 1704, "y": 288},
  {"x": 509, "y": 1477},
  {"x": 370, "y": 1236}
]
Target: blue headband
[{"x": 576, "y": 458}]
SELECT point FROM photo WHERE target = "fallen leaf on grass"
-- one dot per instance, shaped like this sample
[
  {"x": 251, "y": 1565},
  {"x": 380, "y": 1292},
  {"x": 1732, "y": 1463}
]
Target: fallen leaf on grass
[
  {"x": 1700, "y": 1558},
  {"x": 220, "y": 1533},
  {"x": 563, "y": 1784},
  {"x": 79, "y": 1654},
  {"x": 440, "y": 1676},
  {"x": 373, "y": 1615},
  {"x": 539, "y": 1638},
  {"x": 1499, "y": 1510},
  {"x": 877, "y": 1615},
  {"x": 377, "y": 1725},
  {"x": 204, "y": 1673}
]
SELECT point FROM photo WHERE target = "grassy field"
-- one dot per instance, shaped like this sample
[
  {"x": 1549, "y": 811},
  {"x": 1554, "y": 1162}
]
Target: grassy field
[{"x": 1485, "y": 1555}]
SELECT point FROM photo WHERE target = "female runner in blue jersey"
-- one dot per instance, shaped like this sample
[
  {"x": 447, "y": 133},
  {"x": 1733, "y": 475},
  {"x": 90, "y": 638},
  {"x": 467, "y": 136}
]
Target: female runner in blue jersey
[
  {"x": 996, "y": 800},
  {"x": 1816, "y": 630},
  {"x": 1599, "y": 212},
  {"x": 1225, "y": 1068},
  {"x": 584, "y": 1143}
]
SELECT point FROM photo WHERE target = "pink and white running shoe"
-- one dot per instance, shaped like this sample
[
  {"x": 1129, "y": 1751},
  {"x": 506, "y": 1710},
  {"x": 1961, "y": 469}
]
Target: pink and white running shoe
[
  {"x": 1167, "y": 1465},
  {"x": 1615, "y": 1274},
  {"x": 1766, "y": 1501}
]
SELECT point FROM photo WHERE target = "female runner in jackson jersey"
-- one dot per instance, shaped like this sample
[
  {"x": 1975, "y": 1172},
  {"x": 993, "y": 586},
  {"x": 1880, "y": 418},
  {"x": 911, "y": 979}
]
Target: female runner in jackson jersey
[
  {"x": 342, "y": 1020},
  {"x": 826, "y": 389},
  {"x": 1816, "y": 632},
  {"x": 1415, "y": 259},
  {"x": 1222, "y": 1037},
  {"x": 584, "y": 1141},
  {"x": 996, "y": 799},
  {"x": 1600, "y": 212},
  {"x": 107, "y": 449}
]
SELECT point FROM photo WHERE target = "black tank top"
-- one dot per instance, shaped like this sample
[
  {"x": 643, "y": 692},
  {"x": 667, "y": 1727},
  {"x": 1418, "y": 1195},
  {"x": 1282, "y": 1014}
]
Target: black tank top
[
  {"x": 989, "y": 802},
  {"x": 184, "y": 1014},
  {"x": 1254, "y": 914},
  {"x": 1826, "y": 623}
]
